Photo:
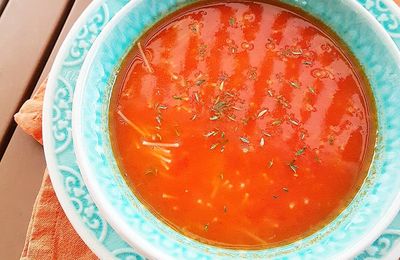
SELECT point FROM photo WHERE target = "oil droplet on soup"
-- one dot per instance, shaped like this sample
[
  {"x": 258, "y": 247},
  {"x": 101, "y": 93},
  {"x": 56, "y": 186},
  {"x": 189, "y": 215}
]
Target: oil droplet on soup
[{"x": 244, "y": 125}]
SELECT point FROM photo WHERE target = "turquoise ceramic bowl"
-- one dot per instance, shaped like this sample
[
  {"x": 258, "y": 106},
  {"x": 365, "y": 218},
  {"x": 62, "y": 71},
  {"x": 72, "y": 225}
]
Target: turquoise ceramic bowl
[{"x": 373, "y": 208}]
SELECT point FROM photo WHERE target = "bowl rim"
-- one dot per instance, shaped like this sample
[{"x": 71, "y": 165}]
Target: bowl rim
[
  {"x": 390, "y": 215},
  {"x": 140, "y": 244},
  {"x": 106, "y": 210}
]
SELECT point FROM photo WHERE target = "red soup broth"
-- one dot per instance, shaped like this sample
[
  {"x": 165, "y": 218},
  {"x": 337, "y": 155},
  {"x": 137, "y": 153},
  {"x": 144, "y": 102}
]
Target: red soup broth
[{"x": 242, "y": 124}]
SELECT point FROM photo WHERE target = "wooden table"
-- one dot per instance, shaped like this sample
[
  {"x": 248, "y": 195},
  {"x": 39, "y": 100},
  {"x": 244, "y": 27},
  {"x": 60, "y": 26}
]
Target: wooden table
[{"x": 31, "y": 32}]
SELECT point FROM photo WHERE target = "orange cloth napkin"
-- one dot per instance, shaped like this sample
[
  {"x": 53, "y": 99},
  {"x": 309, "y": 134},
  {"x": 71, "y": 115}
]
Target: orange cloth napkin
[{"x": 50, "y": 235}]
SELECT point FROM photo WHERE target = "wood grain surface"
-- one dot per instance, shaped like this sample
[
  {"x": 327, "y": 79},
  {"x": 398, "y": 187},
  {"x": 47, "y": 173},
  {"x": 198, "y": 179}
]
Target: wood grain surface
[
  {"x": 27, "y": 36},
  {"x": 23, "y": 163}
]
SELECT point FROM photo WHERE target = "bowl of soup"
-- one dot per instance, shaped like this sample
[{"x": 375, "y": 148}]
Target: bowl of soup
[{"x": 241, "y": 129}]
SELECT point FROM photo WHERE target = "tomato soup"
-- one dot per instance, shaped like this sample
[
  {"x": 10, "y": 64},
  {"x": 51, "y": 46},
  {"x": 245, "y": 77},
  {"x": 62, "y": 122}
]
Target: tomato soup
[{"x": 242, "y": 124}]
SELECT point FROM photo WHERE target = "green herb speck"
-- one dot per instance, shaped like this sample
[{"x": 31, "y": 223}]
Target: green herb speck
[
  {"x": 232, "y": 21},
  {"x": 212, "y": 133},
  {"x": 276, "y": 122},
  {"x": 331, "y": 140},
  {"x": 200, "y": 82},
  {"x": 176, "y": 97},
  {"x": 162, "y": 107},
  {"x": 212, "y": 147},
  {"x": 293, "y": 166},
  {"x": 301, "y": 151}
]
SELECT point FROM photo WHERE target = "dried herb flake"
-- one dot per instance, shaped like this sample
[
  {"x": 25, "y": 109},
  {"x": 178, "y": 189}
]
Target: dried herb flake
[
  {"x": 301, "y": 151},
  {"x": 293, "y": 166},
  {"x": 244, "y": 140}
]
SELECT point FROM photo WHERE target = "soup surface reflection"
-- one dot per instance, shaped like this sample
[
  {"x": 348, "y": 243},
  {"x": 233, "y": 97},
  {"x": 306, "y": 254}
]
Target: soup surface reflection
[{"x": 242, "y": 124}]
